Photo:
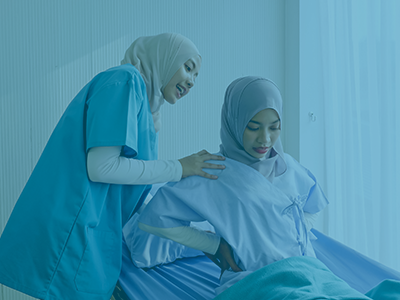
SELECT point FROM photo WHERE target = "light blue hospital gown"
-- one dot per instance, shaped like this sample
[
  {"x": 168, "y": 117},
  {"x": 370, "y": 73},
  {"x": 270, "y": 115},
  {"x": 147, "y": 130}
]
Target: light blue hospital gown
[
  {"x": 63, "y": 239},
  {"x": 262, "y": 221}
]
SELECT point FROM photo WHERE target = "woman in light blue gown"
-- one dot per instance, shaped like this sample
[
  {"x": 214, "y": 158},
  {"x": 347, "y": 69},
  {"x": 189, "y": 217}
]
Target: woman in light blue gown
[
  {"x": 264, "y": 202},
  {"x": 262, "y": 209}
]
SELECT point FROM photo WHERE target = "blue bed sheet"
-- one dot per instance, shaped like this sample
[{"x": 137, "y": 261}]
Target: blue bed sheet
[
  {"x": 197, "y": 278},
  {"x": 188, "y": 278},
  {"x": 359, "y": 271}
]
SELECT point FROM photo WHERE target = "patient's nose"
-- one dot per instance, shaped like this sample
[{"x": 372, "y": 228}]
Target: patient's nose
[{"x": 264, "y": 137}]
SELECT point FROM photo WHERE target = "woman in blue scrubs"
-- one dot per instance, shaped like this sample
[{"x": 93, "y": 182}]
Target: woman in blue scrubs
[{"x": 63, "y": 238}]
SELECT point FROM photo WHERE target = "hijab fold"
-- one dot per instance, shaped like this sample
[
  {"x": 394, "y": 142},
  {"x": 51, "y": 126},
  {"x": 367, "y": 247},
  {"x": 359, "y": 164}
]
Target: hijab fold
[
  {"x": 157, "y": 58},
  {"x": 244, "y": 98}
]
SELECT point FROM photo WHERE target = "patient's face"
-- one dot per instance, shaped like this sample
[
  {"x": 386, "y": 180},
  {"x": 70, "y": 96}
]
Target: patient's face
[{"x": 261, "y": 133}]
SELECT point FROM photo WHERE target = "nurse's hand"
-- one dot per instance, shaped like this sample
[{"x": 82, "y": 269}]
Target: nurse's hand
[
  {"x": 223, "y": 258},
  {"x": 195, "y": 163}
]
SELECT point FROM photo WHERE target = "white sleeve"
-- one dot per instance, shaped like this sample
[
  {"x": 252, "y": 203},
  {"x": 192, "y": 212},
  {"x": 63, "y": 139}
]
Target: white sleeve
[
  {"x": 104, "y": 164},
  {"x": 188, "y": 236},
  {"x": 310, "y": 219}
]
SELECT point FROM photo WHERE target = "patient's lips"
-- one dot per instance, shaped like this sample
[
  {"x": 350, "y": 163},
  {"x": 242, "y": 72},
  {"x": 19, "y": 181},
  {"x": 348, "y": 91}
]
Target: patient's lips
[{"x": 261, "y": 150}]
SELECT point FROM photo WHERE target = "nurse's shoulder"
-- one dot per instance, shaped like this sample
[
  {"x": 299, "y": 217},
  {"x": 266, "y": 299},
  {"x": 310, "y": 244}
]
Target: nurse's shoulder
[{"x": 123, "y": 74}]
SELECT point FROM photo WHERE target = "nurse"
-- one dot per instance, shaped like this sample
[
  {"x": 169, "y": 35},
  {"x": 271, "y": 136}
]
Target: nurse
[{"x": 63, "y": 238}]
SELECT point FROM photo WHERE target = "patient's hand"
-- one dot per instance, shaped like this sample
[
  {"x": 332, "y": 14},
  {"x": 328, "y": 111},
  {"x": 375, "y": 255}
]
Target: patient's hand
[{"x": 223, "y": 258}]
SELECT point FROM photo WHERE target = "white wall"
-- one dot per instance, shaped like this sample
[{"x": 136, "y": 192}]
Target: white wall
[
  {"x": 51, "y": 48},
  {"x": 303, "y": 136},
  {"x": 311, "y": 136},
  {"x": 291, "y": 127}
]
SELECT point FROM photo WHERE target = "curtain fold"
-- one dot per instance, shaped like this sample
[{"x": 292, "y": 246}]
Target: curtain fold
[{"x": 360, "y": 45}]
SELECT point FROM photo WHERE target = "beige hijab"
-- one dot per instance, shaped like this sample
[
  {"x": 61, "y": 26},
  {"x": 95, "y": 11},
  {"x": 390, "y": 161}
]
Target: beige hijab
[{"x": 158, "y": 58}]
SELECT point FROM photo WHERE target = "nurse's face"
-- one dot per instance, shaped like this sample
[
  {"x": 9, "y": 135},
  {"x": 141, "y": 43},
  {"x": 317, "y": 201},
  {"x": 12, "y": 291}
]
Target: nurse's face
[
  {"x": 261, "y": 133},
  {"x": 183, "y": 80}
]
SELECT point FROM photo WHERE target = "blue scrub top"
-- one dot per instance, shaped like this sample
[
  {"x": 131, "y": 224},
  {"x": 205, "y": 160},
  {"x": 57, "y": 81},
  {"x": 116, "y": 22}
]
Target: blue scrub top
[{"x": 63, "y": 239}]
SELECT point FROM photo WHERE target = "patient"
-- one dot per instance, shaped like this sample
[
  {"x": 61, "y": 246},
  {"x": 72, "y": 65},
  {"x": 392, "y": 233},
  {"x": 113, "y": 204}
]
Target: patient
[{"x": 263, "y": 204}]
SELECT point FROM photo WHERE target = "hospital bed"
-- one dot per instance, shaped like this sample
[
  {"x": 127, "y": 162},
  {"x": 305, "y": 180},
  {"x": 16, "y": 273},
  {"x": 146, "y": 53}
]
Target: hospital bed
[{"x": 197, "y": 277}]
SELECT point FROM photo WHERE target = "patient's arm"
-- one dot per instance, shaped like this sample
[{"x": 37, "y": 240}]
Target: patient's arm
[
  {"x": 214, "y": 247},
  {"x": 188, "y": 236}
]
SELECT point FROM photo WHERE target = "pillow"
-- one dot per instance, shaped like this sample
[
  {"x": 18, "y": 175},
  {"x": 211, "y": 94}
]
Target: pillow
[{"x": 148, "y": 250}]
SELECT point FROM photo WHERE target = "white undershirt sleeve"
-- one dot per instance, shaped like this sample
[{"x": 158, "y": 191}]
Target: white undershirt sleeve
[
  {"x": 188, "y": 236},
  {"x": 310, "y": 219},
  {"x": 105, "y": 164}
]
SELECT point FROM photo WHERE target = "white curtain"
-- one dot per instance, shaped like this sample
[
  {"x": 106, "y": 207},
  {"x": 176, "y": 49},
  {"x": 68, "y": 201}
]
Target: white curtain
[{"x": 360, "y": 45}]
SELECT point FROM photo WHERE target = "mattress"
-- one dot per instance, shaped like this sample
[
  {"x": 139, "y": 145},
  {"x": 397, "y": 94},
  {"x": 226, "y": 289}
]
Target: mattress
[{"x": 197, "y": 277}]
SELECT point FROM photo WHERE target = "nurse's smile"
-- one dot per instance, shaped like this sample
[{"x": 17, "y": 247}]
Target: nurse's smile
[{"x": 181, "y": 91}]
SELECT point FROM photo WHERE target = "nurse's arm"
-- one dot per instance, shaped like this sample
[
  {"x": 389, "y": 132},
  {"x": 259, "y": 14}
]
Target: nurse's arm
[{"x": 106, "y": 165}]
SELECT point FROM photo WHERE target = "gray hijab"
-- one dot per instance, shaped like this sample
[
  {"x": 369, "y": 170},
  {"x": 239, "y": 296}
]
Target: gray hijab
[{"x": 244, "y": 98}]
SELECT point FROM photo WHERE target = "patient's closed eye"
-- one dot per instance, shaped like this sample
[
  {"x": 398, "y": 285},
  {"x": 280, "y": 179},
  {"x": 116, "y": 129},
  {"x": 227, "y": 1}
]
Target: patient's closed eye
[{"x": 252, "y": 128}]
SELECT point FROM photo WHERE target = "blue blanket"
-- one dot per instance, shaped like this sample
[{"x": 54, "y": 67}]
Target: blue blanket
[{"x": 303, "y": 278}]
